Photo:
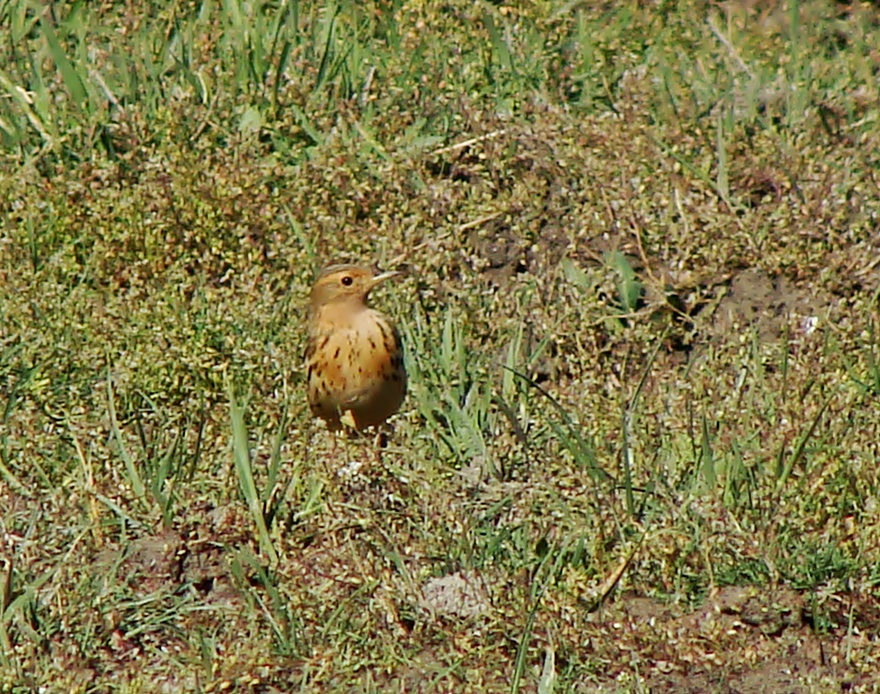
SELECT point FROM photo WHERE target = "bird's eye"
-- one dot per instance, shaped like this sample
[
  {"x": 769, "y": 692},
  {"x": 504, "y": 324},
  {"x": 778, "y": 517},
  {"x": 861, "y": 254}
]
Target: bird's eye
[{"x": 347, "y": 280}]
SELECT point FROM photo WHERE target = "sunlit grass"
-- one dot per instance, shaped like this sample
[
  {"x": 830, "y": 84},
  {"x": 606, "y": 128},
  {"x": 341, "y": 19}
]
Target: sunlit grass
[{"x": 639, "y": 317}]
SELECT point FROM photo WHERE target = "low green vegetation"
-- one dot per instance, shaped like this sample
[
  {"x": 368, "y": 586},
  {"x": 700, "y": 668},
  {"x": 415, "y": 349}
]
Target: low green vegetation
[{"x": 642, "y": 254}]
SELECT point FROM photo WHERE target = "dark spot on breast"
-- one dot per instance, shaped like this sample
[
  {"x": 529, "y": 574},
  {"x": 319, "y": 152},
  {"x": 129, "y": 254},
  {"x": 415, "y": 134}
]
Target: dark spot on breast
[
  {"x": 387, "y": 332},
  {"x": 336, "y": 354}
]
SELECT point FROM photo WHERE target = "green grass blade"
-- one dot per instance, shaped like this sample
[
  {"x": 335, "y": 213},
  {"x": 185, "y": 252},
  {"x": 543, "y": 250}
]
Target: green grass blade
[
  {"x": 72, "y": 79},
  {"x": 244, "y": 467},
  {"x": 707, "y": 458},
  {"x": 131, "y": 471},
  {"x": 800, "y": 448}
]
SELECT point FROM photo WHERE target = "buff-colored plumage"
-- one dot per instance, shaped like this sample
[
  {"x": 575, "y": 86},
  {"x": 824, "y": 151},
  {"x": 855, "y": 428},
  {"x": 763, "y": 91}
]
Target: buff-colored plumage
[{"x": 354, "y": 362}]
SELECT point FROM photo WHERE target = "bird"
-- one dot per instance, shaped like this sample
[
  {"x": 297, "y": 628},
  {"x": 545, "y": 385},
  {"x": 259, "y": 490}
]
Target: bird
[{"x": 355, "y": 371}]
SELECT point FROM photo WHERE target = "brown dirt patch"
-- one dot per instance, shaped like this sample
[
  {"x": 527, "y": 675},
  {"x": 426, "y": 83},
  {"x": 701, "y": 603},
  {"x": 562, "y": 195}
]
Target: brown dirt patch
[
  {"x": 771, "y": 306},
  {"x": 741, "y": 640}
]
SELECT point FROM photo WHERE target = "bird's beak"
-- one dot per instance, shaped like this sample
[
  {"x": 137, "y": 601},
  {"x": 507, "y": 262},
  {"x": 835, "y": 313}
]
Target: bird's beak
[{"x": 378, "y": 279}]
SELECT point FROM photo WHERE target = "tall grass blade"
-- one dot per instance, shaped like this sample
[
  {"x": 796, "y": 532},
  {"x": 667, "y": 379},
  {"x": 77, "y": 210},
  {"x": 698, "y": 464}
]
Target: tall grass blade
[
  {"x": 547, "y": 683},
  {"x": 707, "y": 458},
  {"x": 628, "y": 428},
  {"x": 799, "y": 450},
  {"x": 722, "y": 182},
  {"x": 569, "y": 433},
  {"x": 499, "y": 44},
  {"x": 69, "y": 74},
  {"x": 243, "y": 466},
  {"x": 131, "y": 471},
  {"x": 327, "y": 53}
]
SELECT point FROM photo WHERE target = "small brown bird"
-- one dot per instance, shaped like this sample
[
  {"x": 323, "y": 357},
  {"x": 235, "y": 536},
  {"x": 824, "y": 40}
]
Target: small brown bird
[{"x": 354, "y": 362}]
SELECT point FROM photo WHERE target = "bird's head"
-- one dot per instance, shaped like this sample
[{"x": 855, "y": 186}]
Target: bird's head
[{"x": 340, "y": 284}]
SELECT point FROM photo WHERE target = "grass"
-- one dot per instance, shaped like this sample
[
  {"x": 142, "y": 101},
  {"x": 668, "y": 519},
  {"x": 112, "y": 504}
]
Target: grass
[{"x": 641, "y": 329}]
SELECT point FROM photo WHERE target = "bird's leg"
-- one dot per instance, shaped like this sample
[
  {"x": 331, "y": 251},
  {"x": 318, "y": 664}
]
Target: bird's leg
[{"x": 379, "y": 442}]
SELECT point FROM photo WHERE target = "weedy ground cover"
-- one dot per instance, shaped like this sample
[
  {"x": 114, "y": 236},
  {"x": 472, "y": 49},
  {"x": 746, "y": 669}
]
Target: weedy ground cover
[{"x": 641, "y": 319}]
